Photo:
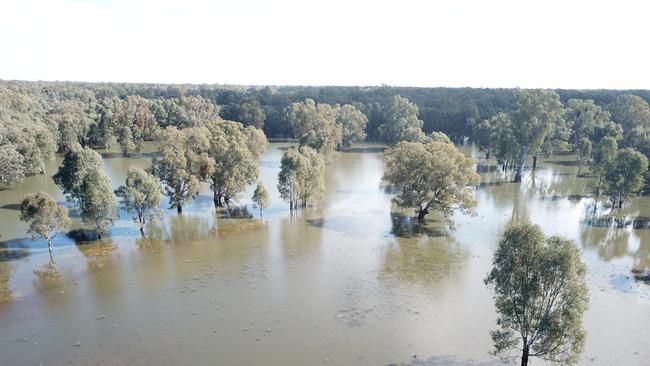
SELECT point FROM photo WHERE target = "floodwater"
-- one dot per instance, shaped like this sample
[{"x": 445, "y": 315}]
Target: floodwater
[{"x": 350, "y": 281}]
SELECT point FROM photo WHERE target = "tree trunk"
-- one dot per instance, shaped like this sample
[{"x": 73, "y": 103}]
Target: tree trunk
[
  {"x": 423, "y": 212},
  {"x": 260, "y": 213},
  {"x": 534, "y": 162},
  {"x": 49, "y": 246},
  {"x": 142, "y": 222},
  {"x": 524, "y": 355},
  {"x": 579, "y": 166},
  {"x": 487, "y": 155},
  {"x": 620, "y": 203},
  {"x": 522, "y": 161},
  {"x": 179, "y": 207}
]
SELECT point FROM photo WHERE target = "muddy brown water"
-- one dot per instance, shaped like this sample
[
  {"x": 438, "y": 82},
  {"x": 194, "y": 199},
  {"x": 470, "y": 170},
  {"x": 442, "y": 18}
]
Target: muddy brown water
[{"x": 350, "y": 281}]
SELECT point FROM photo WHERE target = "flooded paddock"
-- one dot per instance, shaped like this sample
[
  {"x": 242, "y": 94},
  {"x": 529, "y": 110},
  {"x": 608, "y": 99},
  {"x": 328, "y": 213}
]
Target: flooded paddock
[{"x": 349, "y": 281}]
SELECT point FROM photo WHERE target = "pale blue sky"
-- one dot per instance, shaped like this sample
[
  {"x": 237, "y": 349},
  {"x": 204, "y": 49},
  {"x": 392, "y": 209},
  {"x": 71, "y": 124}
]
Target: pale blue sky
[{"x": 559, "y": 44}]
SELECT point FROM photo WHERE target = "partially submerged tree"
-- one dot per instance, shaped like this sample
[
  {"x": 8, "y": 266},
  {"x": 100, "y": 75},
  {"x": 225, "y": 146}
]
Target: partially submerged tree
[
  {"x": 44, "y": 216},
  {"x": 72, "y": 172},
  {"x": 400, "y": 121},
  {"x": 314, "y": 125},
  {"x": 353, "y": 124},
  {"x": 540, "y": 294},
  {"x": 234, "y": 151},
  {"x": 431, "y": 176},
  {"x": 602, "y": 157},
  {"x": 301, "y": 176},
  {"x": 625, "y": 175},
  {"x": 183, "y": 162},
  {"x": 141, "y": 195},
  {"x": 584, "y": 153},
  {"x": 97, "y": 202},
  {"x": 261, "y": 197},
  {"x": 534, "y": 118}
]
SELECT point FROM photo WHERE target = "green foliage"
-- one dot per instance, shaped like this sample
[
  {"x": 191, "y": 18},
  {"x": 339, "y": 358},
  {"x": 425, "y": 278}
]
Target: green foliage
[
  {"x": 314, "y": 125},
  {"x": 540, "y": 295},
  {"x": 630, "y": 111},
  {"x": 435, "y": 175},
  {"x": 141, "y": 195},
  {"x": 72, "y": 172},
  {"x": 248, "y": 113},
  {"x": 536, "y": 114},
  {"x": 12, "y": 167},
  {"x": 183, "y": 162},
  {"x": 234, "y": 151},
  {"x": 301, "y": 176},
  {"x": 437, "y": 136},
  {"x": 353, "y": 124},
  {"x": 97, "y": 203},
  {"x": 584, "y": 118},
  {"x": 603, "y": 155},
  {"x": 400, "y": 122},
  {"x": 261, "y": 197},
  {"x": 625, "y": 175},
  {"x": 44, "y": 216}
]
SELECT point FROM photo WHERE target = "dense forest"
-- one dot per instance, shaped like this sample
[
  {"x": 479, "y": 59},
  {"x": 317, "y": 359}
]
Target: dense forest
[{"x": 39, "y": 119}]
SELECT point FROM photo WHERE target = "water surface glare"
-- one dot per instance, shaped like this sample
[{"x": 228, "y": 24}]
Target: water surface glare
[{"x": 350, "y": 281}]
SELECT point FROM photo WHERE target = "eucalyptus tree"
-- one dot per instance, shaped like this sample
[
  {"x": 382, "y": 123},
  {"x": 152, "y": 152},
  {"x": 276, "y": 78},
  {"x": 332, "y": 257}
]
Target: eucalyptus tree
[
  {"x": 72, "y": 123},
  {"x": 540, "y": 295},
  {"x": 133, "y": 123},
  {"x": 44, "y": 216},
  {"x": 72, "y": 172},
  {"x": 301, "y": 176},
  {"x": 30, "y": 138},
  {"x": 486, "y": 133},
  {"x": 97, "y": 202},
  {"x": 353, "y": 124},
  {"x": 630, "y": 111},
  {"x": 314, "y": 125},
  {"x": 248, "y": 113},
  {"x": 183, "y": 162},
  {"x": 141, "y": 195},
  {"x": 431, "y": 176},
  {"x": 261, "y": 198},
  {"x": 437, "y": 136},
  {"x": 12, "y": 168},
  {"x": 537, "y": 111},
  {"x": 400, "y": 121},
  {"x": 234, "y": 151},
  {"x": 585, "y": 118},
  {"x": 625, "y": 175},
  {"x": 584, "y": 152},
  {"x": 603, "y": 155}
]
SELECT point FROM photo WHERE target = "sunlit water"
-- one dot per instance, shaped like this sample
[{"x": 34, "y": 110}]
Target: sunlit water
[{"x": 350, "y": 281}]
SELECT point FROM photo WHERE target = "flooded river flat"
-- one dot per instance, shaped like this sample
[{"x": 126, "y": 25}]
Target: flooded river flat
[{"x": 350, "y": 281}]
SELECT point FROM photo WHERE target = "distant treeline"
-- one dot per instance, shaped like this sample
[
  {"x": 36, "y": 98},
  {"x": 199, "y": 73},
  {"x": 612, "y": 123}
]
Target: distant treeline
[{"x": 450, "y": 110}]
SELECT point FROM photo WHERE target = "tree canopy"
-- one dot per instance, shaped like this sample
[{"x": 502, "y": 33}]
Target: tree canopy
[
  {"x": 540, "y": 294},
  {"x": 431, "y": 176}
]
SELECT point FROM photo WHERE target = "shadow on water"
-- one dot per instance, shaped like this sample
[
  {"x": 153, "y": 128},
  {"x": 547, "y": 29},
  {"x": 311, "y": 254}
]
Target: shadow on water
[
  {"x": 14, "y": 249},
  {"x": 636, "y": 222},
  {"x": 445, "y": 361},
  {"x": 11, "y": 206},
  {"x": 236, "y": 212},
  {"x": 565, "y": 162},
  {"x": 364, "y": 150},
  {"x": 406, "y": 226},
  {"x": 82, "y": 236},
  {"x": 119, "y": 155}
]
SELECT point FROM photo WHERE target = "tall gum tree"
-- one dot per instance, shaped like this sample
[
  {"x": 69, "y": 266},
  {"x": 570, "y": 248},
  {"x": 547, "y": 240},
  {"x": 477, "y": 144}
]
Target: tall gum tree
[
  {"x": 431, "y": 176},
  {"x": 540, "y": 295},
  {"x": 536, "y": 113}
]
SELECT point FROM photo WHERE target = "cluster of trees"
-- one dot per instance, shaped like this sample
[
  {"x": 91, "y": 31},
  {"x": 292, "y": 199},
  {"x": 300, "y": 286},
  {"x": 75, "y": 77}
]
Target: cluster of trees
[{"x": 541, "y": 124}]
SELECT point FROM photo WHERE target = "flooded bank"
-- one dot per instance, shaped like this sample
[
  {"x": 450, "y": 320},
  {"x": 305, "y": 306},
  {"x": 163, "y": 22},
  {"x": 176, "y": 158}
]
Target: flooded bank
[{"x": 351, "y": 281}]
